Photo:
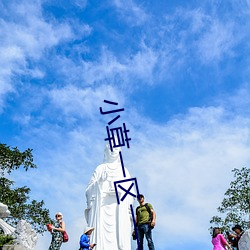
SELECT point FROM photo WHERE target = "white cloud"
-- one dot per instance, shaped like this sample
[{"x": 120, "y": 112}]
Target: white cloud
[
  {"x": 82, "y": 102},
  {"x": 80, "y": 3},
  {"x": 10, "y": 58},
  {"x": 198, "y": 19},
  {"x": 217, "y": 42},
  {"x": 143, "y": 63},
  {"x": 105, "y": 69},
  {"x": 31, "y": 33},
  {"x": 131, "y": 12},
  {"x": 240, "y": 101},
  {"x": 122, "y": 71},
  {"x": 190, "y": 34},
  {"x": 25, "y": 35}
]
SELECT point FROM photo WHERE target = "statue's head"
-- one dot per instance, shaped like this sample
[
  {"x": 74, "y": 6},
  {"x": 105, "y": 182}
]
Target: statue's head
[
  {"x": 111, "y": 156},
  {"x": 4, "y": 212}
]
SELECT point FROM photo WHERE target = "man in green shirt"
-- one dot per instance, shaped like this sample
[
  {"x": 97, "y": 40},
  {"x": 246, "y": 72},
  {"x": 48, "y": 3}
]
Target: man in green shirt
[{"x": 143, "y": 213}]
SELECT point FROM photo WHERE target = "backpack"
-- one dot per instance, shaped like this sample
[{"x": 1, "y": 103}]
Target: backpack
[{"x": 150, "y": 215}]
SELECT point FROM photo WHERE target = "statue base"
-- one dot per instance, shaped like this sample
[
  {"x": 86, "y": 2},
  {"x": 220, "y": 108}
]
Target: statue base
[{"x": 12, "y": 247}]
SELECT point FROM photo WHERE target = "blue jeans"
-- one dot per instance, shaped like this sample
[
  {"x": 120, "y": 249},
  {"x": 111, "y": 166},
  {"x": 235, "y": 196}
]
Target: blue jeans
[{"x": 142, "y": 230}]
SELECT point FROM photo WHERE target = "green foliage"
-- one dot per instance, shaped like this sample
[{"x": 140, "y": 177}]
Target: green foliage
[
  {"x": 17, "y": 199},
  {"x": 6, "y": 240},
  {"x": 11, "y": 159},
  {"x": 235, "y": 206}
]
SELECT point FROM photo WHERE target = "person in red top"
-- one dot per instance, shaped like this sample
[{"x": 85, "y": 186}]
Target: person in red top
[{"x": 218, "y": 240}]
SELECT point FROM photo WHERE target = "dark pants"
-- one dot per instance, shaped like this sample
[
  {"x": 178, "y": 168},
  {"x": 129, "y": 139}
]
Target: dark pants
[{"x": 142, "y": 230}]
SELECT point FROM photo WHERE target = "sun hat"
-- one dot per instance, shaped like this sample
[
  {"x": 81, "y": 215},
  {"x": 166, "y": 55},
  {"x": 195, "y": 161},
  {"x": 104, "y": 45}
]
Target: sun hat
[
  {"x": 87, "y": 229},
  {"x": 59, "y": 213}
]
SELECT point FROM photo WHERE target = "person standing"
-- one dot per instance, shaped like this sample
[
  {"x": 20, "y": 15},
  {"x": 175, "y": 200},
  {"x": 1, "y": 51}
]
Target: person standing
[
  {"x": 56, "y": 231},
  {"x": 144, "y": 212},
  {"x": 85, "y": 239},
  {"x": 218, "y": 240},
  {"x": 239, "y": 231}
]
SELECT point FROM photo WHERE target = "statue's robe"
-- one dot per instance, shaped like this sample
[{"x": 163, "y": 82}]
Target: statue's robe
[
  {"x": 244, "y": 242},
  {"x": 112, "y": 222}
]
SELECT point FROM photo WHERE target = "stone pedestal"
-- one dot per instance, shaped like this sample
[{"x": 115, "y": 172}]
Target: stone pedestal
[{"x": 13, "y": 247}]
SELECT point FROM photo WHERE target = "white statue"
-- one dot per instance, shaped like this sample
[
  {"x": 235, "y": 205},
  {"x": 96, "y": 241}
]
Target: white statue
[
  {"x": 25, "y": 235},
  {"x": 4, "y": 212},
  {"x": 244, "y": 242},
  {"x": 112, "y": 222}
]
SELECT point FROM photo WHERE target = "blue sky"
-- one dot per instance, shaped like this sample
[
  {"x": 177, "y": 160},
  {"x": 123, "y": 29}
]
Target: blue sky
[{"x": 180, "y": 69}]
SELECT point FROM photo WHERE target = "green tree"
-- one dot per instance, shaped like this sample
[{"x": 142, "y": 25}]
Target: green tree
[
  {"x": 17, "y": 199},
  {"x": 6, "y": 239},
  {"x": 235, "y": 207}
]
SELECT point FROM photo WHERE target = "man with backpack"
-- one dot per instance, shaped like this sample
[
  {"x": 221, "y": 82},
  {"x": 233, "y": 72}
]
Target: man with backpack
[{"x": 145, "y": 221}]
